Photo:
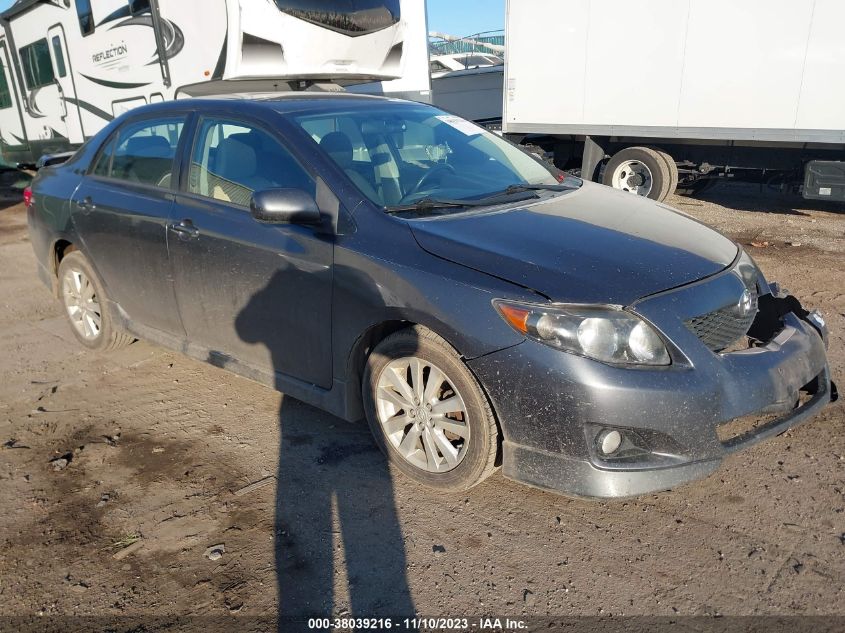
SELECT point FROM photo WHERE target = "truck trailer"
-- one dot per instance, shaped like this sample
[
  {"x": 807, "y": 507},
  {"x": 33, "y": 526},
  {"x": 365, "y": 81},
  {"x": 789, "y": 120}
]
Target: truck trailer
[{"x": 662, "y": 95}]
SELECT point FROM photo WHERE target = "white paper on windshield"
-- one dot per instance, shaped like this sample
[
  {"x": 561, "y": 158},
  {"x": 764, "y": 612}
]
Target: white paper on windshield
[{"x": 459, "y": 124}]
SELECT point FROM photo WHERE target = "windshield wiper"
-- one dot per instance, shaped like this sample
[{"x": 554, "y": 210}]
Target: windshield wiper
[
  {"x": 523, "y": 188},
  {"x": 427, "y": 204},
  {"x": 493, "y": 198}
]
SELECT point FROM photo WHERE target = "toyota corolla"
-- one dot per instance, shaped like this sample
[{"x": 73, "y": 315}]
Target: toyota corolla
[{"x": 385, "y": 260}]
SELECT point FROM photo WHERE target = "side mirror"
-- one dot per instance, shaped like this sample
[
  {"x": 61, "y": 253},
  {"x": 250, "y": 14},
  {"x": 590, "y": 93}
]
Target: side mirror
[{"x": 285, "y": 206}]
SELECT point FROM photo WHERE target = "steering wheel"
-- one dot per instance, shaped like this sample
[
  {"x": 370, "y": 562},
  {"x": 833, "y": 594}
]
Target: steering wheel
[{"x": 428, "y": 176}]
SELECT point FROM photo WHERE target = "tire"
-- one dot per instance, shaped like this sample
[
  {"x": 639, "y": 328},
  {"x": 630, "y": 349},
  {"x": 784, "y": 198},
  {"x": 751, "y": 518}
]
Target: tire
[
  {"x": 633, "y": 162},
  {"x": 475, "y": 440},
  {"x": 673, "y": 171},
  {"x": 91, "y": 324}
]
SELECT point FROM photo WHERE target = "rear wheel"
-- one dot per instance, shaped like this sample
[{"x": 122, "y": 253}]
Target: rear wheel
[
  {"x": 641, "y": 171},
  {"x": 673, "y": 171},
  {"x": 84, "y": 301},
  {"x": 427, "y": 412}
]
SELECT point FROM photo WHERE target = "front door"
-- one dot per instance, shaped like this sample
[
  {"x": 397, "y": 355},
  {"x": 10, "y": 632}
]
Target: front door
[
  {"x": 64, "y": 80},
  {"x": 121, "y": 211},
  {"x": 259, "y": 293}
]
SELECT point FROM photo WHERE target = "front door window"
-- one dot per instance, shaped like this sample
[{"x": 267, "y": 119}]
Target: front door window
[{"x": 232, "y": 160}]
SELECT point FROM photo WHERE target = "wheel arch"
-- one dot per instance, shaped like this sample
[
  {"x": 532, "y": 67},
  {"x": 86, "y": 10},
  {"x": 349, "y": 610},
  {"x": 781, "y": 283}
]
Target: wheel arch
[
  {"x": 375, "y": 334},
  {"x": 359, "y": 352},
  {"x": 61, "y": 247}
]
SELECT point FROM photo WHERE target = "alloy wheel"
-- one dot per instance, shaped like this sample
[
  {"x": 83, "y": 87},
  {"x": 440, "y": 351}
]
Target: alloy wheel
[
  {"x": 82, "y": 304},
  {"x": 422, "y": 414}
]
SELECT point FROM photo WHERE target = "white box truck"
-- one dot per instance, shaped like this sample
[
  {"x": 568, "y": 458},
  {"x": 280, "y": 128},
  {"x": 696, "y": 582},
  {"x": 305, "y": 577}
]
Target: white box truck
[{"x": 652, "y": 95}]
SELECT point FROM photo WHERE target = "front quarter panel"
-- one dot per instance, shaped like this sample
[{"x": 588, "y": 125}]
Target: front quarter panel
[{"x": 382, "y": 275}]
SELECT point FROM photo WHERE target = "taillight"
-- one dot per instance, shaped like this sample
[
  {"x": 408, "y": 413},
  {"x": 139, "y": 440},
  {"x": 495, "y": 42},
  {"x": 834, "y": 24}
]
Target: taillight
[{"x": 27, "y": 197}]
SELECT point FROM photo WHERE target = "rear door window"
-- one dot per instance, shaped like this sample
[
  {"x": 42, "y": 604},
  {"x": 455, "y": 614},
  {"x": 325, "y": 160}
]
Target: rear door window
[
  {"x": 142, "y": 152},
  {"x": 102, "y": 166}
]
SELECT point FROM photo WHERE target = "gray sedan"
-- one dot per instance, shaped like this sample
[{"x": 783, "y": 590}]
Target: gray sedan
[{"x": 385, "y": 260}]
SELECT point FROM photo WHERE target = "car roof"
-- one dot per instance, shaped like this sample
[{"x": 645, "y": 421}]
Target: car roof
[{"x": 282, "y": 102}]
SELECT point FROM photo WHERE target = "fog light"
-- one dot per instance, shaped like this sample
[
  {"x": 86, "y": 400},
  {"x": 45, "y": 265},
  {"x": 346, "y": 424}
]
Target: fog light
[{"x": 609, "y": 441}]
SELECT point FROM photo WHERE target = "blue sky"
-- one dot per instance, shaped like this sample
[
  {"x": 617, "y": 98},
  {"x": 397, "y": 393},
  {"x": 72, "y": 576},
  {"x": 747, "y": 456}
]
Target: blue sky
[
  {"x": 456, "y": 17},
  {"x": 466, "y": 17}
]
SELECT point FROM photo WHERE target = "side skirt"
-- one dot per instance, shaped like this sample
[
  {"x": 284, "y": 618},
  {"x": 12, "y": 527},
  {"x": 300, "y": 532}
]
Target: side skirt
[{"x": 337, "y": 401}]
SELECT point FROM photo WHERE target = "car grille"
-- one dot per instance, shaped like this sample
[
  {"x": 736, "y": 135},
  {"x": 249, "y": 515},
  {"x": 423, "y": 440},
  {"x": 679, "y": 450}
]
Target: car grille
[{"x": 721, "y": 328}]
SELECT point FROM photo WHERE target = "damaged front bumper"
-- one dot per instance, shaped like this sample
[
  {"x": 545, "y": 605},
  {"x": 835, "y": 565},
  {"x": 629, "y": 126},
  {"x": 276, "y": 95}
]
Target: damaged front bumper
[{"x": 676, "y": 423}]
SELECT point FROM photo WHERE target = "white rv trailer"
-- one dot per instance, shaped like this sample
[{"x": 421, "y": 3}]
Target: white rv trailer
[
  {"x": 71, "y": 66},
  {"x": 714, "y": 88}
]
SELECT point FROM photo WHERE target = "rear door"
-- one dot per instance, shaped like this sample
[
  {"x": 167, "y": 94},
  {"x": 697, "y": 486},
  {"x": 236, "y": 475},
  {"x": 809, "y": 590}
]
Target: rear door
[
  {"x": 259, "y": 293},
  {"x": 121, "y": 211}
]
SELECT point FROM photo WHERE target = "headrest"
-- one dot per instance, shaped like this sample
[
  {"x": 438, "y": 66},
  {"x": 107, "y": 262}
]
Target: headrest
[
  {"x": 236, "y": 160},
  {"x": 339, "y": 147},
  {"x": 149, "y": 147}
]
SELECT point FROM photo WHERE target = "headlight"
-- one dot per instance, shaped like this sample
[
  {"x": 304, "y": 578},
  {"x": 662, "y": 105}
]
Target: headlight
[
  {"x": 604, "y": 333},
  {"x": 747, "y": 270}
]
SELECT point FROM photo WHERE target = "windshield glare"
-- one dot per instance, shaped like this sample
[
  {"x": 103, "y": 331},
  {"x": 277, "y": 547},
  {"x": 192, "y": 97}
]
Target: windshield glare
[{"x": 402, "y": 154}]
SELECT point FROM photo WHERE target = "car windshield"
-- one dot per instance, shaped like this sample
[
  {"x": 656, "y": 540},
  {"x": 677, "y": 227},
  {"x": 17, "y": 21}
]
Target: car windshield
[{"x": 400, "y": 154}]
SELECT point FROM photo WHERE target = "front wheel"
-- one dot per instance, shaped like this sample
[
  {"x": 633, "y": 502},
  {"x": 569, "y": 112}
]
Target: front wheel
[
  {"x": 427, "y": 412},
  {"x": 84, "y": 299}
]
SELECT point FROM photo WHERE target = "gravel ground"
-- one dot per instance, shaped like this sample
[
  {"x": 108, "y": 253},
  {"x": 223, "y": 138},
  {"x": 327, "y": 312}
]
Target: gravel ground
[{"x": 121, "y": 474}]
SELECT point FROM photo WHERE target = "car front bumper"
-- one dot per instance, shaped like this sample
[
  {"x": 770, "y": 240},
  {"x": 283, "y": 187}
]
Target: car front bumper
[{"x": 552, "y": 405}]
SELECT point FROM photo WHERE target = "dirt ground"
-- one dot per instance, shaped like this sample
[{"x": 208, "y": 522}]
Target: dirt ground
[{"x": 120, "y": 474}]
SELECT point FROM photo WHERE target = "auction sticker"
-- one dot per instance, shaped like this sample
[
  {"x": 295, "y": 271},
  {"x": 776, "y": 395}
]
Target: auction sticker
[{"x": 470, "y": 129}]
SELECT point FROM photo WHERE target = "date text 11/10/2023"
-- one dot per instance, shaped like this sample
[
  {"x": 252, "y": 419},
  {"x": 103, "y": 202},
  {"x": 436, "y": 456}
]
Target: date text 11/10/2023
[{"x": 418, "y": 623}]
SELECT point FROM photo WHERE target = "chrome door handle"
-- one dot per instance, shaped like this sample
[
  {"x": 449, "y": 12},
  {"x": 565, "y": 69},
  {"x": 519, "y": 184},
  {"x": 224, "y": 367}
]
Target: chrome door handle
[{"x": 185, "y": 230}]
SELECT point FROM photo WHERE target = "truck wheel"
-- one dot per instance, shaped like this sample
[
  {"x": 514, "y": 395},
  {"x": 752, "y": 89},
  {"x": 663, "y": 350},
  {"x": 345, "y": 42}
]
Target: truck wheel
[
  {"x": 85, "y": 302},
  {"x": 641, "y": 171},
  {"x": 427, "y": 412},
  {"x": 673, "y": 171}
]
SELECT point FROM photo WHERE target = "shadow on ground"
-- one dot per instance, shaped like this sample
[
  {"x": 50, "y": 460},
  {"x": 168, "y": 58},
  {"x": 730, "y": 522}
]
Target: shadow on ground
[
  {"x": 335, "y": 505},
  {"x": 760, "y": 198}
]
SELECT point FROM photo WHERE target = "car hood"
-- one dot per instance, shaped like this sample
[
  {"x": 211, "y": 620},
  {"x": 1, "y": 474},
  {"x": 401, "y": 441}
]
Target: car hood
[{"x": 593, "y": 245}]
